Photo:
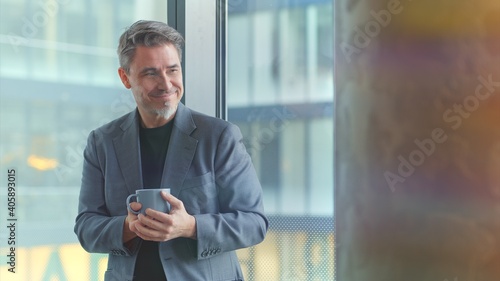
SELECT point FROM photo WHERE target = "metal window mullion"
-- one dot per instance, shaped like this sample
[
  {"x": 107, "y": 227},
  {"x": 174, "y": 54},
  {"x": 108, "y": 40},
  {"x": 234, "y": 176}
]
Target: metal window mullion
[{"x": 221, "y": 64}]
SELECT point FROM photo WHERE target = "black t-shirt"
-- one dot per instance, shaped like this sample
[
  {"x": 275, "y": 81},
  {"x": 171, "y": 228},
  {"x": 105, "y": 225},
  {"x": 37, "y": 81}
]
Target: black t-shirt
[{"x": 154, "y": 146}]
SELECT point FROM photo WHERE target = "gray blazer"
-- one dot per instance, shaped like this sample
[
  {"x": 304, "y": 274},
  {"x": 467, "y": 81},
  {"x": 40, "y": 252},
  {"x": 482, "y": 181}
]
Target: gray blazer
[{"x": 207, "y": 168}]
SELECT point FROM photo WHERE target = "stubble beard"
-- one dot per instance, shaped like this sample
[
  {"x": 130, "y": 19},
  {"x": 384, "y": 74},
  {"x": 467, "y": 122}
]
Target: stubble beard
[{"x": 166, "y": 112}]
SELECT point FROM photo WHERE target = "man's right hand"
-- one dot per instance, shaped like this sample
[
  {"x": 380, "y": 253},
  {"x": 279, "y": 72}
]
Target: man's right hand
[{"x": 130, "y": 221}]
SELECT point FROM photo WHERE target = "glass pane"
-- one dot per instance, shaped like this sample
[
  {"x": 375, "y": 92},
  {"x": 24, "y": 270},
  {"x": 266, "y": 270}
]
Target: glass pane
[
  {"x": 58, "y": 81},
  {"x": 280, "y": 93}
]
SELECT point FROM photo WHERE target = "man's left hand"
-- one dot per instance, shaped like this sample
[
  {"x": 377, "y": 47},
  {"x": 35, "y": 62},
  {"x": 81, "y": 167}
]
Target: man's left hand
[{"x": 158, "y": 226}]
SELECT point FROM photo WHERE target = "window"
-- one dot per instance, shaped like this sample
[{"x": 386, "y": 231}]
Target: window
[
  {"x": 280, "y": 93},
  {"x": 58, "y": 81}
]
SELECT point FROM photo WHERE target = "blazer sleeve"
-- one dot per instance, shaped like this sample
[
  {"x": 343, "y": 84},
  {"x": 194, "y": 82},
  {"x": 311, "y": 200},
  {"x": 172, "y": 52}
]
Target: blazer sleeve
[
  {"x": 240, "y": 222},
  {"x": 97, "y": 230}
]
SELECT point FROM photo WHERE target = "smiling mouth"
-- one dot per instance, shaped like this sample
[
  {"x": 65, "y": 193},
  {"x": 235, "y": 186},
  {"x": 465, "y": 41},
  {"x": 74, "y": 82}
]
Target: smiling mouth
[{"x": 164, "y": 95}]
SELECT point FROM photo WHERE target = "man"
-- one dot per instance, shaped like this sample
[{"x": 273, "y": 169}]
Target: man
[{"x": 216, "y": 198}]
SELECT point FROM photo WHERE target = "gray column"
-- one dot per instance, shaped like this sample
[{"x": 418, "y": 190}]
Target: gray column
[{"x": 417, "y": 140}]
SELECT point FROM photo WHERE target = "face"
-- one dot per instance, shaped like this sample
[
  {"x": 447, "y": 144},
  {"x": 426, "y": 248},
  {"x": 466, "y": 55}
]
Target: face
[{"x": 155, "y": 79}]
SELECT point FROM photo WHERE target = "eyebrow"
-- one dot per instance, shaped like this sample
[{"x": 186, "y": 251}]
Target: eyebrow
[{"x": 147, "y": 69}]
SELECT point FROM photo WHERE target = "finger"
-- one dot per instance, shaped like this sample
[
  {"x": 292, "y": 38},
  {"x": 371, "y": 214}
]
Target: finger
[
  {"x": 140, "y": 227},
  {"x": 147, "y": 233},
  {"x": 156, "y": 215},
  {"x": 174, "y": 202},
  {"x": 136, "y": 206},
  {"x": 165, "y": 195},
  {"x": 143, "y": 233},
  {"x": 150, "y": 221},
  {"x": 135, "y": 225}
]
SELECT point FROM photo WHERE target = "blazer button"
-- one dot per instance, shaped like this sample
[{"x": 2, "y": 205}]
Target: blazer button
[{"x": 204, "y": 253}]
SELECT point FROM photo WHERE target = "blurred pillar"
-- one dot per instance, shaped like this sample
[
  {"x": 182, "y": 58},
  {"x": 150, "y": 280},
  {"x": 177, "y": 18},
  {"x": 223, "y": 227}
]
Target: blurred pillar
[{"x": 417, "y": 140}]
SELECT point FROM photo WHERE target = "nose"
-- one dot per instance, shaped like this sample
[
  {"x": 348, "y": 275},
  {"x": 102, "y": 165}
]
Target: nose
[{"x": 164, "y": 82}]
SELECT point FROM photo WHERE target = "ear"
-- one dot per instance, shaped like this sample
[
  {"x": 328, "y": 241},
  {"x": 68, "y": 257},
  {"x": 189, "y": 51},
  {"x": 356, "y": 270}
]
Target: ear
[{"x": 124, "y": 77}]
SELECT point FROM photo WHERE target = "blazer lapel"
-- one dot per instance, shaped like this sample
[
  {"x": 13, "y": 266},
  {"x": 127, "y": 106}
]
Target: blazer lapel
[
  {"x": 180, "y": 152},
  {"x": 128, "y": 152}
]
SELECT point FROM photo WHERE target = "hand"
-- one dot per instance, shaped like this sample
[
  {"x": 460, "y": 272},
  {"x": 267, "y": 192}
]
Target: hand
[
  {"x": 129, "y": 229},
  {"x": 158, "y": 226}
]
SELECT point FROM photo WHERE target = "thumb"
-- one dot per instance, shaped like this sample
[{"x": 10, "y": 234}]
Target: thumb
[{"x": 174, "y": 202}]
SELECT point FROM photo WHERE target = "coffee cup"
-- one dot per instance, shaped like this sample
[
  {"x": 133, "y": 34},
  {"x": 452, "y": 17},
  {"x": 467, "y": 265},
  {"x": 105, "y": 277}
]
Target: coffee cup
[{"x": 149, "y": 198}]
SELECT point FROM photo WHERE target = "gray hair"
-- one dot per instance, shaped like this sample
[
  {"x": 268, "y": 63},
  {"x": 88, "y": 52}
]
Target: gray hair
[{"x": 149, "y": 34}]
